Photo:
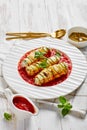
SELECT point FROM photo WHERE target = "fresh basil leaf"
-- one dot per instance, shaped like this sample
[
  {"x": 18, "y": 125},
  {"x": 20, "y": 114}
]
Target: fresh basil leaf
[
  {"x": 64, "y": 105},
  {"x": 62, "y": 99},
  {"x": 68, "y": 106},
  {"x": 7, "y": 116},
  {"x": 60, "y": 105},
  {"x": 65, "y": 112},
  {"x": 43, "y": 64},
  {"x": 39, "y": 54}
]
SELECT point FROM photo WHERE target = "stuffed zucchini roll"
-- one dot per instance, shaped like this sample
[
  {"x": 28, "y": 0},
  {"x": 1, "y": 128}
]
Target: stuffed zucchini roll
[
  {"x": 34, "y": 56},
  {"x": 40, "y": 65},
  {"x": 51, "y": 73}
]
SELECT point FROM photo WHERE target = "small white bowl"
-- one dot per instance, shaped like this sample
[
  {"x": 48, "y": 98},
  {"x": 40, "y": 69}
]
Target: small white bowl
[{"x": 77, "y": 29}]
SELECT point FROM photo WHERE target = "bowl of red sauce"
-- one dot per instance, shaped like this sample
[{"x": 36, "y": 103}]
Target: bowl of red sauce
[
  {"x": 22, "y": 106},
  {"x": 20, "y": 102}
]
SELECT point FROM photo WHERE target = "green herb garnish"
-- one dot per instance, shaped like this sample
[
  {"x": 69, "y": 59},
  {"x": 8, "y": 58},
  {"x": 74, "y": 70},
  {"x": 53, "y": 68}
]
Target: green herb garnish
[
  {"x": 7, "y": 116},
  {"x": 58, "y": 54},
  {"x": 43, "y": 64},
  {"x": 39, "y": 54},
  {"x": 64, "y": 105}
]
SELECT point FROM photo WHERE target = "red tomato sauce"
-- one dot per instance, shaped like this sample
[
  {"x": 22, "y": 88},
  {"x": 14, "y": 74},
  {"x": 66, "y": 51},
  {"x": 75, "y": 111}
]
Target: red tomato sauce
[
  {"x": 23, "y": 104},
  {"x": 52, "y": 52}
]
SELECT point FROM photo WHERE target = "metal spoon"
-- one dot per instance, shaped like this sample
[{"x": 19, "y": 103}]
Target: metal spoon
[
  {"x": 57, "y": 34},
  {"x": 81, "y": 39}
]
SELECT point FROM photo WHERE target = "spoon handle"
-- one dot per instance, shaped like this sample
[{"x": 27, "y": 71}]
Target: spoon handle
[
  {"x": 26, "y": 35},
  {"x": 85, "y": 38}
]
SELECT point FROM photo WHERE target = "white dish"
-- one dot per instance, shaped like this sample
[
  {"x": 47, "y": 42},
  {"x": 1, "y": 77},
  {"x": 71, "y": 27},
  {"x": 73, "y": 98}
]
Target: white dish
[
  {"x": 77, "y": 29},
  {"x": 15, "y": 82}
]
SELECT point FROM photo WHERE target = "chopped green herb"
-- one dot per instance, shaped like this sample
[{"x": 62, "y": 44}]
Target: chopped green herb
[
  {"x": 7, "y": 116},
  {"x": 64, "y": 105},
  {"x": 43, "y": 64},
  {"x": 39, "y": 54}
]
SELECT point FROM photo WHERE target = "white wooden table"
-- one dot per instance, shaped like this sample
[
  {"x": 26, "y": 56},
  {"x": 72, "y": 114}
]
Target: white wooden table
[{"x": 41, "y": 16}]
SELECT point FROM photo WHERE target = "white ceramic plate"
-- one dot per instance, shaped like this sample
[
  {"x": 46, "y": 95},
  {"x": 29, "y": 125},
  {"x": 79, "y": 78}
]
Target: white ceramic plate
[{"x": 14, "y": 80}]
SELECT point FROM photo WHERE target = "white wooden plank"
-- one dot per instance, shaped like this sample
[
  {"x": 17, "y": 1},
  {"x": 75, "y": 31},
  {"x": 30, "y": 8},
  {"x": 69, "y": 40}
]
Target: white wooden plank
[
  {"x": 4, "y": 107},
  {"x": 43, "y": 16},
  {"x": 73, "y": 123},
  {"x": 9, "y": 16},
  {"x": 32, "y": 15}
]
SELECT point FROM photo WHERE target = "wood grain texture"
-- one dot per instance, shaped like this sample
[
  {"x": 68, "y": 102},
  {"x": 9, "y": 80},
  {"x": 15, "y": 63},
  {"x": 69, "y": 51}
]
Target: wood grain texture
[{"x": 42, "y": 16}]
